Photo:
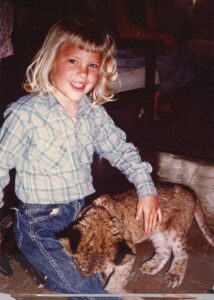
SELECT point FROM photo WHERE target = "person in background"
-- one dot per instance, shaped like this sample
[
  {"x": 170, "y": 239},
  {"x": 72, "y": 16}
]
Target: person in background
[
  {"x": 138, "y": 20},
  {"x": 49, "y": 137},
  {"x": 6, "y": 27}
]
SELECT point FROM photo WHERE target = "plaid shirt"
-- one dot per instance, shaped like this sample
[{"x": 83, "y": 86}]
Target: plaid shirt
[{"x": 52, "y": 153}]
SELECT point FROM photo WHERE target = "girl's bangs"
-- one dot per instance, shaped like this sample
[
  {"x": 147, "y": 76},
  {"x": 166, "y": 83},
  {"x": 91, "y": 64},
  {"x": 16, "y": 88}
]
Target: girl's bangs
[{"x": 88, "y": 45}]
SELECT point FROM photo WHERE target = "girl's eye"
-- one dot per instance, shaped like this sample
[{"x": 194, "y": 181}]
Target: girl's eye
[
  {"x": 95, "y": 66},
  {"x": 73, "y": 61}
]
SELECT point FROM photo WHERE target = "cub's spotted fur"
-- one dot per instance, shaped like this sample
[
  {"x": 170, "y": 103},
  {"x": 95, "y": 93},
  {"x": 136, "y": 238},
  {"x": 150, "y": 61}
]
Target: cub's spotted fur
[{"x": 104, "y": 236}]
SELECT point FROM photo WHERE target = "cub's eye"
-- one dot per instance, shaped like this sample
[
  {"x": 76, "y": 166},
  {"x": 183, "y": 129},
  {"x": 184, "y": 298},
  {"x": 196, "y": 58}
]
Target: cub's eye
[{"x": 72, "y": 61}]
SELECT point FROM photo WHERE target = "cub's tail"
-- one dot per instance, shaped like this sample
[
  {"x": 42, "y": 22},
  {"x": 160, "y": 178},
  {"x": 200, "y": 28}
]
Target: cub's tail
[{"x": 202, "y": 223}]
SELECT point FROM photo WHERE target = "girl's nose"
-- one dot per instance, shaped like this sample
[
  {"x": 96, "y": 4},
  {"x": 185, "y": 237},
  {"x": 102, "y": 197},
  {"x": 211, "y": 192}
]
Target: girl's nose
[{"x": 83, "y": 71}]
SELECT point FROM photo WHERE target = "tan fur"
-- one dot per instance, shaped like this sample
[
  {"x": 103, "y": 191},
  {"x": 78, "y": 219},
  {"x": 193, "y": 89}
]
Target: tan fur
[{"x": 108, "y": 226}]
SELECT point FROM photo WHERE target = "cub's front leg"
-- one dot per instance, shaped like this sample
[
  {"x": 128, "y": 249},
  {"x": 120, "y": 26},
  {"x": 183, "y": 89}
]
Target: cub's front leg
[
  {"x": 161, "y": 256},
  {"x": 119, "y": 276},
  {"x": 176, "y": 273}
]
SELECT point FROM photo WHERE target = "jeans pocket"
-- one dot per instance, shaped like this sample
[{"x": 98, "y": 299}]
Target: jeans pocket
[{"x": 38, "y": 213}]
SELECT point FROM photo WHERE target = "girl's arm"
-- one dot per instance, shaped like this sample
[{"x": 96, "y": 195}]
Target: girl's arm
[{"x": 110, "y": 143}]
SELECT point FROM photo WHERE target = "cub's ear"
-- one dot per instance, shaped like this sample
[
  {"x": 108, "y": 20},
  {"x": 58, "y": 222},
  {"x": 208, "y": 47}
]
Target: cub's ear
[
  {"x": 74, "y": 237},
  {"x": 123, "y": 254}
]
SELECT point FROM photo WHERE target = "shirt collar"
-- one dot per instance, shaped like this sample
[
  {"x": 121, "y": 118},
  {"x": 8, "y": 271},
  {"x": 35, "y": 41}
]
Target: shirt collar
[{"x": 85, "y": 105}]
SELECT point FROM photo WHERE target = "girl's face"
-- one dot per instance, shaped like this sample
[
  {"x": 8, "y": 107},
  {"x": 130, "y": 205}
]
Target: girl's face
[{"x": 75, "y": 71}]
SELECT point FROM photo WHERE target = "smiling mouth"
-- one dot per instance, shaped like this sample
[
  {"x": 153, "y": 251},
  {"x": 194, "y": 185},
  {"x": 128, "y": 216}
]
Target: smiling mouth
[{"x": 77, "y": 86}]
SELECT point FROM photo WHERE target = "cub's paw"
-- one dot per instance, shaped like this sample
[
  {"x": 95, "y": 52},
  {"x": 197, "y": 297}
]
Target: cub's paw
[
  {"x": 149, "y": 267},
  {"x": 113, "y": 289},
  {"x": 173, "y": 280}
]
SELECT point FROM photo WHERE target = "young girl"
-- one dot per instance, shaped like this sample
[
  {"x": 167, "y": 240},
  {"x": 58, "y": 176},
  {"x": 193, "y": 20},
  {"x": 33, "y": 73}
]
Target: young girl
[{"x": 50, "y": 136}]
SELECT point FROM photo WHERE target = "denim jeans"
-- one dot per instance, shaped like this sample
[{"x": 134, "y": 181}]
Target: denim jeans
[{"x": 35, "y": 229}]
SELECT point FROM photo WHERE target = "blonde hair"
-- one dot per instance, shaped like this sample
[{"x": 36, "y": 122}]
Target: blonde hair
[{"x": 84, "y": 33}]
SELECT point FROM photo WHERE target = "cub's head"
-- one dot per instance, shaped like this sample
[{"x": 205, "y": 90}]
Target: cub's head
[{"x": 95, "y": 241}]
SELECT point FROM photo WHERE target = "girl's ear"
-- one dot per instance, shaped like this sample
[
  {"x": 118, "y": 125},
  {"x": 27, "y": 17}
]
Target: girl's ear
[{"x": 123, "y": 254}]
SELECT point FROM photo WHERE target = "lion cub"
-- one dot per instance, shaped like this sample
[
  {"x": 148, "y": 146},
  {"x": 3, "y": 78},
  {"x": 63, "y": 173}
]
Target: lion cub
[{"x": 104, "y": 236}]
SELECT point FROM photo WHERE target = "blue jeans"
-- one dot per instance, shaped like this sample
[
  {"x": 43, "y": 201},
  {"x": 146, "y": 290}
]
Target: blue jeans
[{"x": 35, "y": 229}]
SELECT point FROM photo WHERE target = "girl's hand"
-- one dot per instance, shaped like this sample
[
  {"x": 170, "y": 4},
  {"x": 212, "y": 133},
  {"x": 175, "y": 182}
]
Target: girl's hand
[{"x": 149, "y": 208}]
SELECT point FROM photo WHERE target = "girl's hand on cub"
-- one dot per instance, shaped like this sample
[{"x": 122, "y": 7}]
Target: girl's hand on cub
[{"x": 148, "y": 207}]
